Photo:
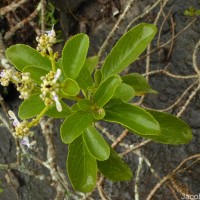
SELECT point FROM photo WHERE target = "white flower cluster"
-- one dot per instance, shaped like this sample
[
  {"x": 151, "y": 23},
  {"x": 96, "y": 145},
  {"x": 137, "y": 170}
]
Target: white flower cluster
[
  {"x": 8, "y": 75},
  {"x": 50, "y": 88},
  {"x": 24, "y": 83},
  {"x": 25, "y": 86},
  {"x": 46, "y": 41},
  {"x": 21, "y": 129}
]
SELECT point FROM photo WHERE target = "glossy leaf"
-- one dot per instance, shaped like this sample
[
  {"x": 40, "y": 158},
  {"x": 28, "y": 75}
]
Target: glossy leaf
[
  {"x": 106, "y": 90},
  {"x": 114, "y": 168},
  {"x": 97, "y": 77},
  {"x": 132, "y": 117},
  {"x": 84, "y": 79},
  {"x": 81, "y": 166},
  {"x": 91, "y": 63},
  {"x": 74, "y": 55},
  {"x": 96, "y": 144},
  {"x": 53, "y": 112},
  {"x": 85, "y": 105},
  {"x": 139, "y": 83},
  {"x": 70, "y": 87},
  {"x": 35, "y": 73},
  {"x": 21, "y": 56},
  {"x": 128, "y": 48},
  {"x": 124, "y": 92},
  {"x": 173, "y": 130},
  {"x": 74, "y": 125},
  {"x": 31, "y": 107}
]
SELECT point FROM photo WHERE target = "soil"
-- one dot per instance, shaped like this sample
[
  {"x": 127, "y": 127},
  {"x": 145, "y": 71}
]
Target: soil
[{"x": 97, "y": 18}]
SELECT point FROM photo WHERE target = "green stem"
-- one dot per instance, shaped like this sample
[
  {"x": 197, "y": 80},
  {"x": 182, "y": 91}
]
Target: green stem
[
  {"x": 53, "y": 64},
  {"x": 37, "y": 119}
]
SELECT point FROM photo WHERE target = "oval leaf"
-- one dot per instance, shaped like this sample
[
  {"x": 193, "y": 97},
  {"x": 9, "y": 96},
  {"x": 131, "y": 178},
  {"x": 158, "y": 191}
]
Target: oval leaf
[
  {"x": 70, "y": 87},
  {"x": 96, "y": 144},
  {"x": 74, "y": 55},
  {"x": 133, "y": 117},
  {"x": 84, "y": 79},
  {"x": 81, "y": 166},
  {"x": 21, "y": 56},
  {"x": 85, "y": 105},
  {"x": 139, "y": 83},
  {"x": 128, "y": 48},
  {"x": 53, "y": 112},
  {"x": 31, "y": 107},
  {"x": 124, "y": 92},
  {"x": 106, "y": 90},
  {"x": 173, "y": 130},
  {"x": 91, "y": 63},
  {"x": 74, "y": 125},
  {"x": 114, "y": 168},
  {"x": 36, "y": 73}
]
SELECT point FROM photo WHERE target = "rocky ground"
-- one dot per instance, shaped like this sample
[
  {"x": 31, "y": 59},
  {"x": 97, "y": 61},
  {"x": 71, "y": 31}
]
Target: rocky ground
[{"x": 170, "y": 65}]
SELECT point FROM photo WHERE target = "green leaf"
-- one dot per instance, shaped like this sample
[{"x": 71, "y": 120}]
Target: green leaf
[
  {"x": 31, "y": 107},
  {"x": 91, "y": 63},
  {"x": 96, "y": 144},
  {"x": 52, "y": 112},
  {"x": 74, "y": 55},
  {"x": 70, "y": 87},
  {"x": 36, "y": 73},
  {"x": 124, "y": 92},
  {"x": 114, "y": 168},
  {"x": 81, "y": 166},
  {"x": 74, "y": 125},
  {"x": 128, "y": 48},
  {"x": 97, "y": 77},
  {"x": 21, "y": 56},
  {"x": 84, "y": 79},
  {"x": 173, "y": 130},
  {"x": 85, "y": 105},
  {"x": 139, "y": 83},
  {"x": 132, "y": 117},
  {"x": 106, "y": 90}
]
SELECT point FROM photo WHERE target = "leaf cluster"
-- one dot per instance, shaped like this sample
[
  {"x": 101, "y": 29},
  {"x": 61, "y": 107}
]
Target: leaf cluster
[{"x": 99, "y": 94}]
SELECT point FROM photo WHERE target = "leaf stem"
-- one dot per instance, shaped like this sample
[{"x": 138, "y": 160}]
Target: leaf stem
[{"x": 36, "y": 120}]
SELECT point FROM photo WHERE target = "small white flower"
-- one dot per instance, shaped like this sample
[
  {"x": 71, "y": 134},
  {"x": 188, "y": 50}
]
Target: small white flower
[
  {"x": 57, "y": 75},
  {"x": 12, "y": 116},
  {"x": 2, "y": 74},
  {"x": 25, "y": 141},
  {"x": 58, "y": 104},
  {"x": 51, "y": 33}
]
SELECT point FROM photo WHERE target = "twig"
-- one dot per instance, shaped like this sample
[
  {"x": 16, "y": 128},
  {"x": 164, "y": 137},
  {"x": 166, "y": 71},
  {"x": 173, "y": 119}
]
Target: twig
[
  {"x": 164, "y": 179},
  {"x": 12, "y": 6},
  {"x": 194, "y": 58},
  {"x": 172, "y": 37},
  {"x": 43, "y": 10},
  {"x": 168, "y": 42},
  {"x": 137, "y": 178},
  {"x": 142, "y": 15},
  {"x": 188, "y": 101},
  {"x": 100, "y": 188},
  {"x": 12, "y": 31},
  {"x": 135, "y": 147},
  {"x": 121, "y": 17},
  {"x": 120, "y": 138},
  {"x": 180, "y": 98}
]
